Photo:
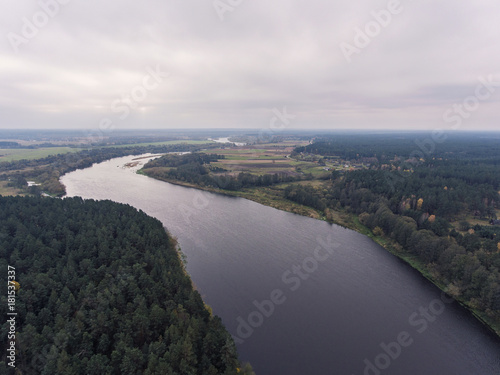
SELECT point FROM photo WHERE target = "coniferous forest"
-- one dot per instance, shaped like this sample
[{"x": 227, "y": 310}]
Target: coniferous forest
[
  {"x": 437, "y": 202},
  {"x": 103, "y": 290}
]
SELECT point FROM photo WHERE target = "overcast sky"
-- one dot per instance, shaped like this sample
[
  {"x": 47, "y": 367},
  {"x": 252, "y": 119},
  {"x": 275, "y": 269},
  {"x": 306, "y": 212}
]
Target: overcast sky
[{"x": 229, "y": 63}]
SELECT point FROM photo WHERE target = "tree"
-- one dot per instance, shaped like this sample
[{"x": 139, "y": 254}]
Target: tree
[
  {"x": 132, "y": 362},
  {"x": 120, "y": 320},
  {"x": 420, "y": 202},
  {"x": 98, "y": 364},
  {"x": 463, "y": 226}
]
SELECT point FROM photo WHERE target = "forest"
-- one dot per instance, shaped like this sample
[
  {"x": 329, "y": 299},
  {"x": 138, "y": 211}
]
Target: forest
[
  {"x": 103, "y": 290},
  {"x": 196, "y": 169},
  {"x": 432, "y": 200},
  {"x": 384, "y": 146},
  {"x": 436, "y": 209}
]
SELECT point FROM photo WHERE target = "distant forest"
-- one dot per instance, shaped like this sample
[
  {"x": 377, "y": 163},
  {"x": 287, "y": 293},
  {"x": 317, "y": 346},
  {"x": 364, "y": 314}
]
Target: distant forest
[
  {"x": 47, "y": 171},
  {"x": 385, "y": 146},
  {"x": 433, "y": 199},
  {"x": 412, "y": 197},
  {"x": 103, "y": 291}
]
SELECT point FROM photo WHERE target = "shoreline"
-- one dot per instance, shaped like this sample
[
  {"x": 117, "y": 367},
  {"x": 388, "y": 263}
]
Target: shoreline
[{"x": 264, "y": 196}]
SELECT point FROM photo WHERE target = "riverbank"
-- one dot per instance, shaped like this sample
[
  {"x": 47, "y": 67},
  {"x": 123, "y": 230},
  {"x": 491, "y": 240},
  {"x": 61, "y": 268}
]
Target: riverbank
[
  {"x": 238, "y": 251},
  {"x": 272, "y": 197},
  {"x": 398, "y": 251}
]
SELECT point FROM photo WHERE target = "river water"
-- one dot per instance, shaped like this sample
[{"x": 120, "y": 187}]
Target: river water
[{"x": 301, "y": 296}]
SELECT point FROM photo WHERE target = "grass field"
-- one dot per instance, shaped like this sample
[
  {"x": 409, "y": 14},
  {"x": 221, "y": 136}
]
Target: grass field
[
  {"x": 265, "y": 159},
  {"x": 38, "y": 153},
  {"x": 7, "y": 154},
  {"x": 474, "y": 221},
  {"x": 179, "y": 142},
  {"x": 6, "y": 190}
]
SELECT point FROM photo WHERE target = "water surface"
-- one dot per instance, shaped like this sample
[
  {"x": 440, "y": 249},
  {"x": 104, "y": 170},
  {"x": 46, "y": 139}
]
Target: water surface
[{"x": 301, "y": 296}]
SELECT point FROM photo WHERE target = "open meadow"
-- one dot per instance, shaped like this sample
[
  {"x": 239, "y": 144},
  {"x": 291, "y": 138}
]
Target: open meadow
[{"x": 14, "y": 154}]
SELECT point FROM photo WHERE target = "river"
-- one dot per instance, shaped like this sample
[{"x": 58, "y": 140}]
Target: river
[
  {"x": 226, "y": 140},
  {"x": 301, "y": 296}
]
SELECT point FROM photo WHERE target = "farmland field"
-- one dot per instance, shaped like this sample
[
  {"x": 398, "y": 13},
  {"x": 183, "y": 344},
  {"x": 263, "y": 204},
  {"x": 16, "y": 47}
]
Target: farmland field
[
  {"x": 7, "y": 190},
  {"x": 177, "y": 142},
  {"x": 268, "y": 159},
  {"x": 30, "y": 154}
]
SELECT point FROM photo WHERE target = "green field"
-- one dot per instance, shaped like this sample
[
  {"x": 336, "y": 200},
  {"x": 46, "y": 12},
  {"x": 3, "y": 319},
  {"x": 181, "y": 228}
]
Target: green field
[
  {"x": 14, "y": 154},
  {"x": 6, "y": 190},
  {"x": 7, "y": 154},
  {"x": 267, "y": 159},
  {"x": 178, "y": 142}
]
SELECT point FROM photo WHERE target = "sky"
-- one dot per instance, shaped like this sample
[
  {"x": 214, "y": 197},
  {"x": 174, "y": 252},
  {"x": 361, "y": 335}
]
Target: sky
[{"x": 316, "y": 64}]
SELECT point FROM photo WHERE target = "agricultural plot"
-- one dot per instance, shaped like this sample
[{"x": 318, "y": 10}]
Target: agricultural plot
[
  {"x": 265, "y": 159},
  {"x": 7, "y": 190},
  {"x": 14, "y": 154},
  {"x": 177, "y": 142}
]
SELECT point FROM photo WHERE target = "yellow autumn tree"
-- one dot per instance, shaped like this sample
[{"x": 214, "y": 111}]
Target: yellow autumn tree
[
  {"x": 420, "y": 202},
  {"x": 16, "y": 285}
]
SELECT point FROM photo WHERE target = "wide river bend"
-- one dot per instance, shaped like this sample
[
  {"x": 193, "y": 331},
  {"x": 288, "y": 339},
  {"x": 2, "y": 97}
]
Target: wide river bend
[{"x": 301, "y": 296}]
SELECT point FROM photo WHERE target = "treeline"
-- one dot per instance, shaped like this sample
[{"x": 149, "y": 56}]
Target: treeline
[
  {"x": 305, "y": 195},
  {"x": 468, "y": 264},
  {"x": 412, "y": 191},
  {"x": 184, "y": 160},
  {"x": 47, "y": 171},
  {"x": 388, "y": 146},
  {"x": 103, "y": 291},
  {"x": 415, "y": 209},
  {"x": 196, "y": 169},
  {"x": 449, "y": 189},
  {"x": 8, "y": 144},
  {"x": 16, "y": 145},
  {"x": 430, "y": 190}
]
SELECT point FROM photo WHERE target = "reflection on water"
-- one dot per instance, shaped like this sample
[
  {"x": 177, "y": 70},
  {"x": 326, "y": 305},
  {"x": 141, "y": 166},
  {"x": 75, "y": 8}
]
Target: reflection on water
[{"x": 301, "y": 296}]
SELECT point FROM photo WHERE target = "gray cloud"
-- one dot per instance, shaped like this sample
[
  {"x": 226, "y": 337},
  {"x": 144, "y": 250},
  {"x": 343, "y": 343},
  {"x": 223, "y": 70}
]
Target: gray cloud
[{"x": 231, "y": 73}]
